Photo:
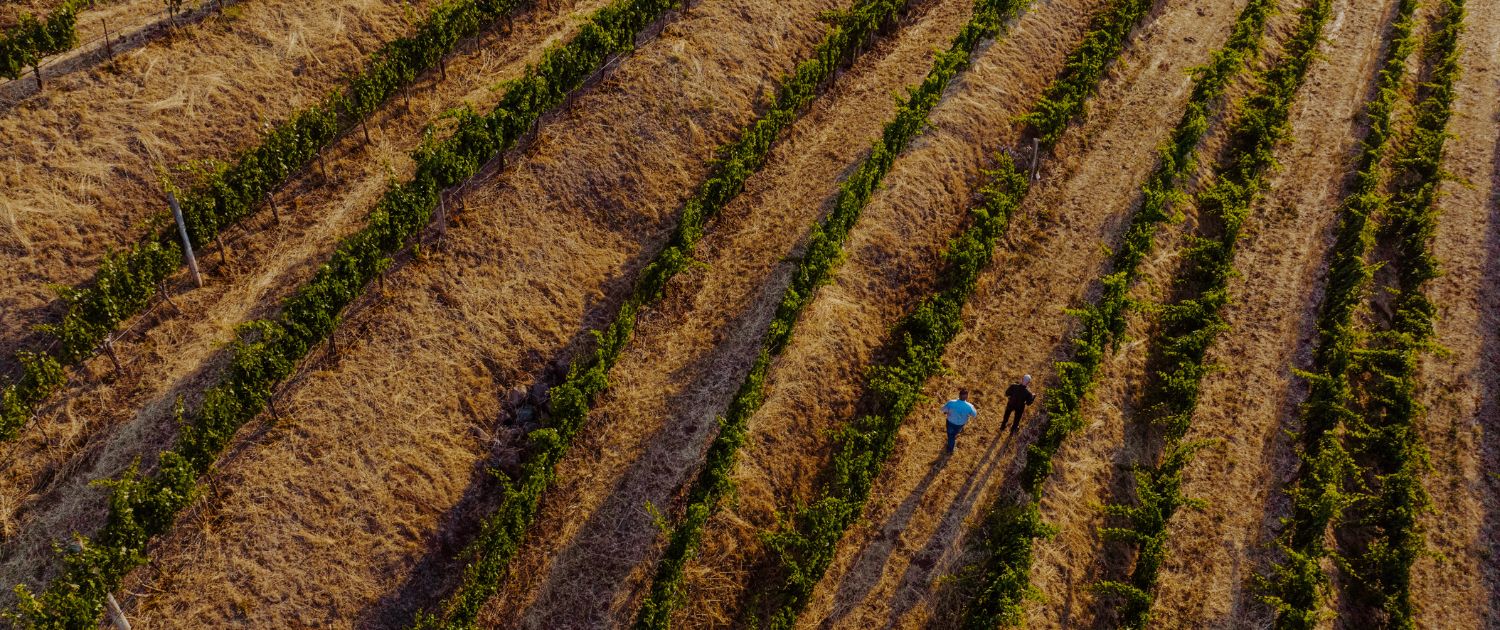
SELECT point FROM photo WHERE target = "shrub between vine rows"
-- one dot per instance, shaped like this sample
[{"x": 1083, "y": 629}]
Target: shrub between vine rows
[
  {"x": 1319, "y": 498},
  {"x": 803, "y": 544},
  {"x": 824, "y": 249},
  {"x": 502, "y": 533},
  {"x": 141, "y": 507},
  {"x": 1387, "y": 434},
  {"x": 228, "y": 192}
]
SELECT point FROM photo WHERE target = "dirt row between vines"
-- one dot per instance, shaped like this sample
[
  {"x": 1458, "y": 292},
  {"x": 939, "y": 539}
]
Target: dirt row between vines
[
  {"x": 80, "y": 169},
  {"x": 1459, "y": 586},
  {"x": 97, "y": 427},
  {"x": 647, "y": 435},
  {"x": 892, "y": 256},
  {"x": 891, "y": 571},
  {"x": 348, "y": 510}
]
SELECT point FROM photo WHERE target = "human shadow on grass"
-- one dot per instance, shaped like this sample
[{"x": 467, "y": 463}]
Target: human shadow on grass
[
  {"x": 919, "y": 572},
  {"x": 1488, "y": 419}
]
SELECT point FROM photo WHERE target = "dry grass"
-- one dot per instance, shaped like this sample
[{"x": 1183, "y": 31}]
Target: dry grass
[
  {"x": 80, "y": 165},
  {"x": 1459, "y": 586},
  {"x": 892, "y": 255},
  {"x": 95, "y": 427},
  {"x": 647, "y": 436},
  {"x": 379, "y": 450},
  {"x": 346, "y": 511}
]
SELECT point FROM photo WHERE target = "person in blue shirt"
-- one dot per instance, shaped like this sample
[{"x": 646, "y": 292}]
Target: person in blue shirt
[{"x": 959, "y": 413}]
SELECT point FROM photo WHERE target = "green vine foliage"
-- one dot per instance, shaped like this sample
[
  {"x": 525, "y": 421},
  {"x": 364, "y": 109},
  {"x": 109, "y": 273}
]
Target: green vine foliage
[
  {"x": 1190, "y": 325},
  {"x": 31, "y": 39},
  {"x": 1001, "y": 583},
  {"x": 1320, "y": 495},
  {"x": 503, "y": 531},
  {"x": 228, "y": 192},
  {"x": 803, "y": 545},
  {"x": 1386, "y": 435},
  {"x": 822, "y": 255},
  {"x": 267, "y": 352}
]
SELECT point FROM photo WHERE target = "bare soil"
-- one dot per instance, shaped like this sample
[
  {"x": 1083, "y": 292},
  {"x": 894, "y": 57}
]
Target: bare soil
[
  {"x": 648, "y": 434},
  {"x": 105, "y": 420},
  {"x": 347, "y": 510},
  {"x": 81, "y": 161}
]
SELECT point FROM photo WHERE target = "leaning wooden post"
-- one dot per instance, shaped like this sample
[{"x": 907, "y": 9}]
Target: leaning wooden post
[
  {"x": 223, "y": 251},
  {"x": 115, "y": 614},
  {"x": 1036, "y": 157},
  {"x": 271, "y": 199},
  {"x": 442, "y": 216},
  {"x": 38, "y": 70},
  {"x": 366, "y": 127},
  {"x": 109, "y": 349},
  {"x": 187, "y": 244},
  {"x": 108, "y": 47}
]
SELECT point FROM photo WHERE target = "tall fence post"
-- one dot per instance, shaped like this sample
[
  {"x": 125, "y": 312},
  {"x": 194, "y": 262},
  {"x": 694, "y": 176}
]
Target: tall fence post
[{"x": 187, "y": 244}]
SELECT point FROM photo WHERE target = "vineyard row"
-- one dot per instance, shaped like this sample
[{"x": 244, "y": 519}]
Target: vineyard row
[
  {"x": 1318, "y": 498},
  {"x": 32, "y": 39},
  {"x": 268, "y": 351},
  {"x": 824, "y": 250},
  {"x": 803, "y": 545},
  {"x": 1012, "y": 526},
  {"x": 1189, "y": 325},
  {"x": 226, "y": 193},
  {"x": 503, "y": 532},
  {"x": 1388, "y": 435}
]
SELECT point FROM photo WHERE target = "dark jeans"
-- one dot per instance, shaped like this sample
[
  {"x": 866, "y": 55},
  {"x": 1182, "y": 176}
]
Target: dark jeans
[
  {"x": 953, "y": 431},
  {"x": 1016, "y": 409}
]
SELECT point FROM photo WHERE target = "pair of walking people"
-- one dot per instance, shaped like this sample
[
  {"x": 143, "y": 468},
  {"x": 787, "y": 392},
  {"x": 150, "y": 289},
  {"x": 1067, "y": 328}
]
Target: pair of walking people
[{"x": 960, "y": 410}]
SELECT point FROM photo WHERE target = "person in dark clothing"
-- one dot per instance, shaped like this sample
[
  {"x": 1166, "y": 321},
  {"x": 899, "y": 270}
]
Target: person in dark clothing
[{"x": 1019, "y": 396}]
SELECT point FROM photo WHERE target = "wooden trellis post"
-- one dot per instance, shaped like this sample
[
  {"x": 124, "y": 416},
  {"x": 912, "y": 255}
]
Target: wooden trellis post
[
  {"x": 116, "y": 615},
  {"x": 187, "y": 244}
]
